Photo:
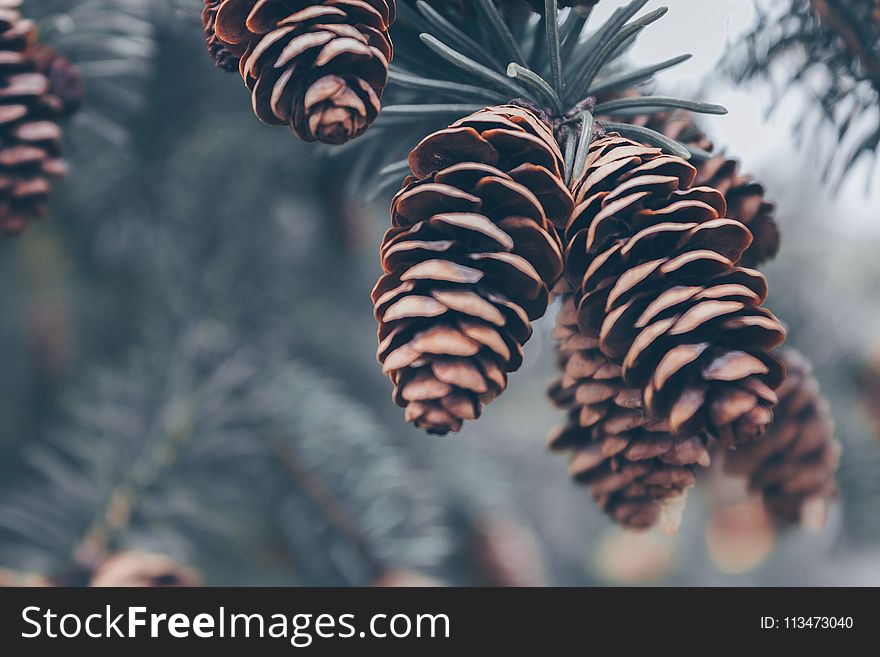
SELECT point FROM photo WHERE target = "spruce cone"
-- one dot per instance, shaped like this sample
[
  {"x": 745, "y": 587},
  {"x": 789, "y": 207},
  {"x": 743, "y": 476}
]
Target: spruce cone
[
  {"x": 793, "y": 466},
  {"x": 30, "y": 138},
  {"x": 469, "y": 262},
  {"x": 653, "y": 264},
  {"x": 320, "y": 67},
  {"x": 743, "y": 195},
  {"x": 223, "y": 57},
  {"x": 630, "y": 461}
]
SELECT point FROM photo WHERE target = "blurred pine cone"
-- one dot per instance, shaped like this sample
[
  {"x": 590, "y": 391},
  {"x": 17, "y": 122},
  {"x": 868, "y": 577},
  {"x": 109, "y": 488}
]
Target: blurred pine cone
[
  {"x": 744, "y": 196},
  {"x": 653, "y": 264},
  {"x": 469, "y": 262},
  {"x": 67, "y": 88},
  {"x": 224, "y": 58},
  {"x": 142, "y": 569},
  {"x": 630, "y": 462},
  {"x": 30, "y": 106},
  {"x": 320, "y": 67},
  {"x": 793, "y": 466}
]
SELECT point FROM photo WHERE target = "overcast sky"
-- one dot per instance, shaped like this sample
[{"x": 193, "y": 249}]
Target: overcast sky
[{"x": 705, "y": 28}]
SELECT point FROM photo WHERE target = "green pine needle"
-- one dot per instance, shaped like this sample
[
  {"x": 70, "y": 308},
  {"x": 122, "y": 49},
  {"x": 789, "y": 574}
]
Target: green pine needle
[
  {"x": 648, "y": 136},
  {"x": 468, "y": 65}
]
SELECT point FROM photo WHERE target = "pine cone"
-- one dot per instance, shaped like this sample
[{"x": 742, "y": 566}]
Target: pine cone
[
  {"x": 653, "y": 263},
  {"x": 142, "y": 569},
  {"x": 320, "y": 67},
  {"x": 67, "y": 88},
  {"x": 469, "y": 262},
  {"x": 223, "y": 57},
  {"x": 744, "y": 196},
  {"x": 30, "y": 154},
  {"x": 630, "y": 461},
  {"x": 793, "y": 466}
]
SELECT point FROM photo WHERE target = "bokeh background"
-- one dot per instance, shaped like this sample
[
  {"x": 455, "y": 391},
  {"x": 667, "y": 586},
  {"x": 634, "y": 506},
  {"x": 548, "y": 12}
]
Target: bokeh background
[{"x": 187, "y": 348}]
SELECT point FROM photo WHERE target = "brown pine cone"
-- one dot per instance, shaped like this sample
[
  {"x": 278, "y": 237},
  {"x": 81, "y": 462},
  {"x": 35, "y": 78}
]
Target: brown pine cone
[
  {"x": 653, "y": 265},
  {"x": 631, "y": 463},
  {"x": 794, "y": 464},
  {"x": 744, "y": 196},
  {"x": 142, "y": 569},
  {"x": 30, "y": 138},
  {"x": 223, "y": 57},
  {"x": 469, "y": 262},
  {"x": 320, "y": 67}
]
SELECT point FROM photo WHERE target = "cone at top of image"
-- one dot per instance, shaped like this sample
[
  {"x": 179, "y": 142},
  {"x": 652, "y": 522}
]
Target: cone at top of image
[
  {"x": 632, "y": 464},
  {"x": 319, "y": 67},
  {"x": 39, "y": 88},
  {"x": 469, "y": 262},
  {"x": 793, "y": 467},
  {"x": 653, "y": 262}
]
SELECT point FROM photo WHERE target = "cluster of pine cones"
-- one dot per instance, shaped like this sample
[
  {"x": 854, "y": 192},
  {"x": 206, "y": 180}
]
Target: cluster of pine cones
[
  {"x": 665, "y": 345},
  {"x": 38, "y": 88}
]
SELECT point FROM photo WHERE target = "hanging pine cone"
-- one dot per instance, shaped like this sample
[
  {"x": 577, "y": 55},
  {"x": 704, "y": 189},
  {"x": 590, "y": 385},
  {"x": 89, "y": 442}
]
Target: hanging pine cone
[
  {"x": 30, "y": 138},
  {"x": 469, "y": 262},
  {"x": 631, "y": 463},
  {"x": 743, "y": 195},
  {"x": 653, "y": 263},
  {"x": 223, "y": 57},
  {"x": 320, "y": 67},
  {"x": 794, "y": 464}
]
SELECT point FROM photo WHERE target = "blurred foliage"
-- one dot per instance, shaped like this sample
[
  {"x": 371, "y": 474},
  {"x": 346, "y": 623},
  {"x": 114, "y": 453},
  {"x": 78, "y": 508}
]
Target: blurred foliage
[
  {"x": 192, "y": 326},
  {"x": 830, "y": 51}
]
